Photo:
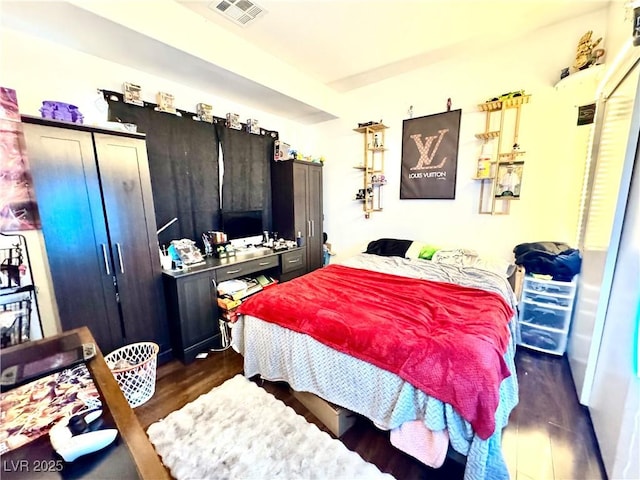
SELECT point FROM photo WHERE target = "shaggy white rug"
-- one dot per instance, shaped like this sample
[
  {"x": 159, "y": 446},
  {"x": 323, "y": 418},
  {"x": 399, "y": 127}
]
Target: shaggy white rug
[{"x": 240, "y": 431}]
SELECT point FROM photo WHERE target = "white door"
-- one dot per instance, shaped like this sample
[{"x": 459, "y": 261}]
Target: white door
[{"x": 616, "y": 129}]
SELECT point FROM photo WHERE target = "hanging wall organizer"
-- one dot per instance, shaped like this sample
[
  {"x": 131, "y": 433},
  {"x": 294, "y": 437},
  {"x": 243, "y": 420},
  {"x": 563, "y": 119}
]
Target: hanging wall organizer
[
  {"x": 372, "y": 166},
  {"x": 500, "y": 164}
]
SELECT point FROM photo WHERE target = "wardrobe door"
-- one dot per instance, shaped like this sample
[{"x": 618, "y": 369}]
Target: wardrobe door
[
  {"x": 128, "y": 203},
  {"x": 68, "y": 194},
  {"x": 314, "y": 215},
  {"x": 300, "y": 211}
]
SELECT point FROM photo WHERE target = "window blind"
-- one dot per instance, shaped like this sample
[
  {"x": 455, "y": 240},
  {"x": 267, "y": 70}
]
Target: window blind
[{"x": 600, "y": 194}]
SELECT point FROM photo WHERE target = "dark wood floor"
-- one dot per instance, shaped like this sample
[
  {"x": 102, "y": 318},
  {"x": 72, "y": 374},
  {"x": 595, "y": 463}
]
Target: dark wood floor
[{"x": 549, "y": 436}]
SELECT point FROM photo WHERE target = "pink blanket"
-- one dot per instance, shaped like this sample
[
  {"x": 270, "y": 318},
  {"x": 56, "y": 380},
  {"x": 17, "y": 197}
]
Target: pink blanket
[
  {"x": 444, "y": 339},
  {"x": 418, "y": 441}
]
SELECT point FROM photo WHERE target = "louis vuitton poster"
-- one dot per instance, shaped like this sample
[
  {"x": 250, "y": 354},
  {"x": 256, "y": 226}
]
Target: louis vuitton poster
[{"x": 430, "y": 156}]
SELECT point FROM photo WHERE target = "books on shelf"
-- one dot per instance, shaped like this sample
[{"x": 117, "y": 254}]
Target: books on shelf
[
  {"x": 265, "y": 281},
  {"x": 228, "y": 304},
  {"x": 239, "y": 289},
  {"x": 231, "y": 293},
  {"x": 252, "y": 287}
]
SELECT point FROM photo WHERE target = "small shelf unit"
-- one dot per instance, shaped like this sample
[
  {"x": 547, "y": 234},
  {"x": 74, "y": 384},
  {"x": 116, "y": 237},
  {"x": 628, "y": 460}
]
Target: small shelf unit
[
  {"x": 497, "y": 111},
  {"x": 372, "y": 167},
  {"x": 19, "y": 316}
]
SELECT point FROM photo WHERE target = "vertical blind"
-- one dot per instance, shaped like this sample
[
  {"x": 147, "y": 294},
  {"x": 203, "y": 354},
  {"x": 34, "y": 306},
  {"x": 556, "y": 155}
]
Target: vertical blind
[{"x": 599, "y": 197}]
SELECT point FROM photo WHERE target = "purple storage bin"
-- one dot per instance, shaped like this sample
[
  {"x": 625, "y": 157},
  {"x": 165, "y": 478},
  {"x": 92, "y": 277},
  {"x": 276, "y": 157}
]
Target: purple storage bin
[{"x": 64, "y": 112}]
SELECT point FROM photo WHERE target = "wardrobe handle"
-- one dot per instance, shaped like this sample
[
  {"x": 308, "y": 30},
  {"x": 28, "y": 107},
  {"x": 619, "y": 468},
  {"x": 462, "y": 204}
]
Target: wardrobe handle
[
  {"x": 120, "y": 257},
  {"x": 104, "y": 256},
  {"x": 308, "y": 228},
  {"x": 313, "y": 228}
]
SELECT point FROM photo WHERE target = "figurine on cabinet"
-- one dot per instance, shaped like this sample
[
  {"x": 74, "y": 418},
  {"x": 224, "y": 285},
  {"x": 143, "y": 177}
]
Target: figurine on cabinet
[{"x": 586, "y": 53}]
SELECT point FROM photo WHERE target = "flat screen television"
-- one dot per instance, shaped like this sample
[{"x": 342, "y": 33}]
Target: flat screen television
[{"x": 242, "y": 224}]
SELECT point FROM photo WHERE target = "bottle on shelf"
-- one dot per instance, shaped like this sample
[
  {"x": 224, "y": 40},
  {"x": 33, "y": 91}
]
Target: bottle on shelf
[{"x": 484, "y": 161}]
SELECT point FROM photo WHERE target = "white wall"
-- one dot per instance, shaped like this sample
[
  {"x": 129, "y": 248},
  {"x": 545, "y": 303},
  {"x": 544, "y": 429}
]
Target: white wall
[
  {"x": 547, "y": 209},
  {"x": 40, "y": 70},
  {"x": 619, "y": 27}
]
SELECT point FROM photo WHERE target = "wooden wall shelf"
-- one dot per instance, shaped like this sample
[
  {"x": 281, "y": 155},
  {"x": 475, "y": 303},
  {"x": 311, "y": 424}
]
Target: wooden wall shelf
[
  {"x": 511, "y": 155},
  {"x": 488, "y": 135},
  {"x": 490, "y": 203},
  {"x": 498, "y": 105},
  {"x": 376, "y": 127},
  {"x": 372, "y": 167}
]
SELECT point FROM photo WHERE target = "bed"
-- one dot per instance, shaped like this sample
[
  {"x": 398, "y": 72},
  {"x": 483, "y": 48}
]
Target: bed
[{"x": 397, "y": 340}]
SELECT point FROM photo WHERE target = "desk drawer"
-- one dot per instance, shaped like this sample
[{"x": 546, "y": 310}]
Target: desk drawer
[
  {"x": 293, "y": 261},
  {"x": 240, "y": 269}
]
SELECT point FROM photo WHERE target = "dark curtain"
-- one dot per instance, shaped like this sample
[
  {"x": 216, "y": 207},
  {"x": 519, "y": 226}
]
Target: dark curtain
[
  {"x": 246, "y": 183},
  {"x": 183, "y": 163}
]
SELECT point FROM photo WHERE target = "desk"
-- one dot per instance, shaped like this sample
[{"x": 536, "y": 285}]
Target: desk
[
  {"x": 130, "y": 456},
  {"x": 191, "y": 294}
]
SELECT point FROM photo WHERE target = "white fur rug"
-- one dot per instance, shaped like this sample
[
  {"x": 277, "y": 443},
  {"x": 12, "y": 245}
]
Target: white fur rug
[{"x": 240, "y": 431}]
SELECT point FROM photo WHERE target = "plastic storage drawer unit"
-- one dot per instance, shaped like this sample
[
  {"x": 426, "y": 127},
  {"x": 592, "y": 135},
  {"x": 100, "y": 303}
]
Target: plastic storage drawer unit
[{"x": 545, "y": 314}]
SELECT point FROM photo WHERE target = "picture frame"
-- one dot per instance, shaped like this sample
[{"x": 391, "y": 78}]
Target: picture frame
[
  {"x": 509, "y": 180},
  {"x": 430, "y": 156}
]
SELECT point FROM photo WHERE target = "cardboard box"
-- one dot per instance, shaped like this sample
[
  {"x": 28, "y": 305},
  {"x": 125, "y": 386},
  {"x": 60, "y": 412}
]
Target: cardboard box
[{"x": 337, "y": 419}]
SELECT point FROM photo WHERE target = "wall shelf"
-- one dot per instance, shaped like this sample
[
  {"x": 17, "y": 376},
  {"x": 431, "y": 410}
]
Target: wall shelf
[
  {"x": 488, "y": 135},
  {"x": 501, "y": 161},
  {"x": 372, "y": 167},
  {"x": 497, "y": 105},
  {"x": 511, "y": 155},
  {"x": 375, "y": 127}
]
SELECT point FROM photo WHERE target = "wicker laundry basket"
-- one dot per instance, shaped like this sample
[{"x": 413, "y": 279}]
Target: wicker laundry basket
[{"x": 134, "y": 368}]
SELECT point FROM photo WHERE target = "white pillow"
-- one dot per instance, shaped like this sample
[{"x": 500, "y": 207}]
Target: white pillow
[
  {"x": 464, "y": 258},
  {"x": 414, "y": 249}
]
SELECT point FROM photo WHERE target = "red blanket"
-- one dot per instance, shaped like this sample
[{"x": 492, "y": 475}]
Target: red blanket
[{"x": 444, "y": 339}]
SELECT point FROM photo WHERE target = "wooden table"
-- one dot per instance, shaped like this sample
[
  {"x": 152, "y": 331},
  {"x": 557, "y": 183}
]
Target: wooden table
[{"x": 132, "y": 454}]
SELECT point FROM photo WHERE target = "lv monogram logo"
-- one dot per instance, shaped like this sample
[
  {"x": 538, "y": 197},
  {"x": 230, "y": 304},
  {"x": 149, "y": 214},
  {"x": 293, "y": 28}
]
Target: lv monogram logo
[{"x": 424, "y": 162}]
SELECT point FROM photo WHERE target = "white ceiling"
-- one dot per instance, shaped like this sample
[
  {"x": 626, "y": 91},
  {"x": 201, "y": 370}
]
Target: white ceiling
[
  {"x": 346, "y": 44},
  {"x": 334, "y": 45}
]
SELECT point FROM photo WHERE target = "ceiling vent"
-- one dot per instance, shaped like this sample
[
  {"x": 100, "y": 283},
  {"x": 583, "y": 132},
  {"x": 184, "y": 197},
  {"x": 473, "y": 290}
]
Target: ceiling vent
[{"x": 240, "y": 12}]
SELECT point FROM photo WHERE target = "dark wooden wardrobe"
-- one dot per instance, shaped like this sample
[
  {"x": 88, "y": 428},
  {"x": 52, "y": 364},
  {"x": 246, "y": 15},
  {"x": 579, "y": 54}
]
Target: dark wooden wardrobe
[
  {"x": 95, "y": 202},
  {"x": 297, "y": 205}
]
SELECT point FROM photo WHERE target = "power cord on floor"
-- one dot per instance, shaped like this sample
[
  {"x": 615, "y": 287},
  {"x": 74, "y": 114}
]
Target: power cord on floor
[
  {"x": 225, "y": 333},
  {"x": 220, "y": 349}
]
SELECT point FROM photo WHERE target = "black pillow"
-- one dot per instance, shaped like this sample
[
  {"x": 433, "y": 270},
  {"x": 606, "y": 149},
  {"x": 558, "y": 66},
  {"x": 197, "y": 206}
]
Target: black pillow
[{"x": 389, "y": 247}]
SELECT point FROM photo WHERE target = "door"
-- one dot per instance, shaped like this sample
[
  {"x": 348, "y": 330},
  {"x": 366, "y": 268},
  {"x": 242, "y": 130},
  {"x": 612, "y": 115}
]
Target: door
[
  {"x": 300, "y": 194},
  {"x": 67, "y": 190},
  {"x": 128, "y": 204},
  {"x": 198, "y": 313},
  {"x": 314, "y": 215},
  {"x": 615, "y": 397},
  {"x": 600, "y": 240}
]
